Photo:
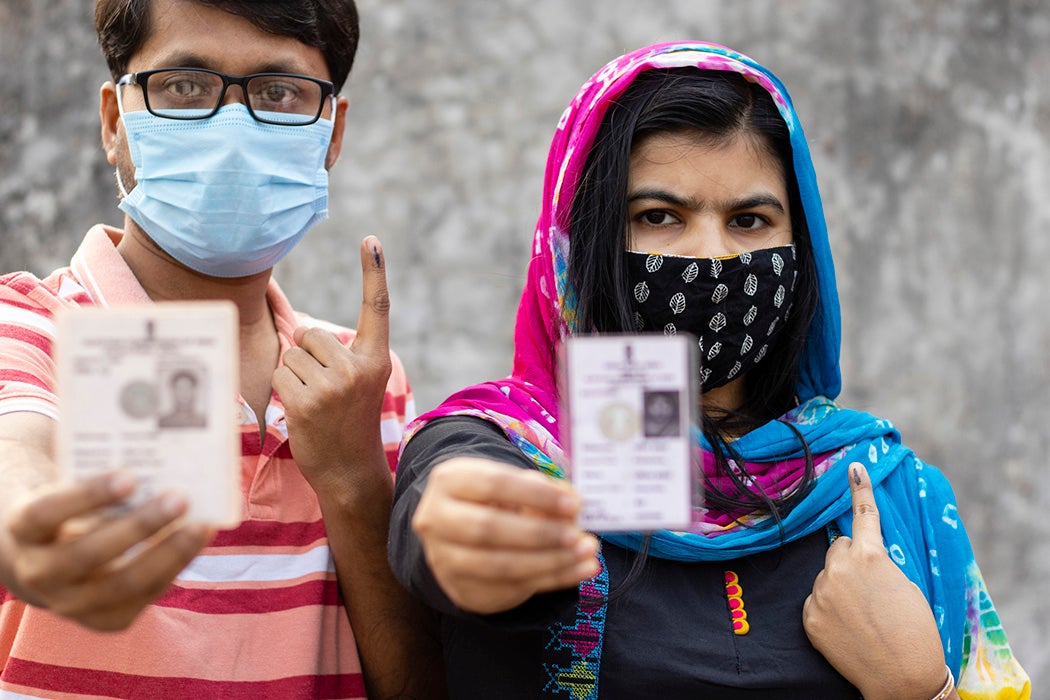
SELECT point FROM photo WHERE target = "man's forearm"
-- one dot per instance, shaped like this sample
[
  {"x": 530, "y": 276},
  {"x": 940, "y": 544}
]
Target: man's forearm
[
  {"x": 396, "y": 635},
  {"x": 24, "y": 467}
]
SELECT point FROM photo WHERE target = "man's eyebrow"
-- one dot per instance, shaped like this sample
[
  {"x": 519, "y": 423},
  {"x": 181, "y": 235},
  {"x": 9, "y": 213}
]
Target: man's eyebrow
[
  {"x": 190, "y": 60},
  {"x": 183, "y": 60},
  {"x": 282, "y": 68}
]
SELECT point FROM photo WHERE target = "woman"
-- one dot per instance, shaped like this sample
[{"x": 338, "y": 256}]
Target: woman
[{"x": 672, "y": 159}]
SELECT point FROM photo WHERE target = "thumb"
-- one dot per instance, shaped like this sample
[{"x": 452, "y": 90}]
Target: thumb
[{"x": 866, "y": 524}]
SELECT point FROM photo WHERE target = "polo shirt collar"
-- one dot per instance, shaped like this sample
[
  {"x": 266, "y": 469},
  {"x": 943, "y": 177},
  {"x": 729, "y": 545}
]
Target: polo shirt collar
[{"x": 107, "y": 279}]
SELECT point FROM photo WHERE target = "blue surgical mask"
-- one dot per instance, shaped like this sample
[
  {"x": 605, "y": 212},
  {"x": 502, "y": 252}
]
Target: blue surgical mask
[{"x": 227, "y": 196}]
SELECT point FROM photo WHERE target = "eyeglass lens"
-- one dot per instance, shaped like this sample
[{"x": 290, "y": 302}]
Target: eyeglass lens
[{"x": 279, "y": 98}]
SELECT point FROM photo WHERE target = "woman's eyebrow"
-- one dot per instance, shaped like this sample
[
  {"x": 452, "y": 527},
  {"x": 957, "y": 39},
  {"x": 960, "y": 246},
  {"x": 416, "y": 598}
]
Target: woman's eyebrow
[
  {"x": 750, "y": 201},
  {"x": 665, "y": 196},
  {"x": 754, "y": 201}
]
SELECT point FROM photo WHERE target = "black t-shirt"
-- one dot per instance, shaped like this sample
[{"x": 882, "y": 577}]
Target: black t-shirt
[{"x": 668, "y": 632}]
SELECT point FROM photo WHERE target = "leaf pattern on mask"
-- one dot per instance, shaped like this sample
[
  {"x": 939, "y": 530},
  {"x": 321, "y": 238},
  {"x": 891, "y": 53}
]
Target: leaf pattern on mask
[
  {"x": 745, "y": 258},
  {"x": 746, "y": 346},
  {"x": 720, "y": 293},
  {"x": 750, "y": 316},
  {"x": 716, "y": 267},
  {"x": 718, "y": 322},
  {"x": 670, "y": 329},
  {"x": 641, "y": 292},
  {"x": 733, "y": 372},
  {"x": 639, "y": 322},
  {"x": 778, "y": 263},
  {"x": 778, "y": 298},
  {"x": 751, "y": 285},
  {"x": 678, "y": 303},
  {"x": 690, "y": 273},
  {"x": 654, "y": 263},
  {"x": 713, "y": 352}
]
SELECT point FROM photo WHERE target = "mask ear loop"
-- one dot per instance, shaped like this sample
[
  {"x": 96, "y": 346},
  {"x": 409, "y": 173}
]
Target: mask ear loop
[
  {"x": 120, "y": 110},
  {"x": 120, "y": 184}
]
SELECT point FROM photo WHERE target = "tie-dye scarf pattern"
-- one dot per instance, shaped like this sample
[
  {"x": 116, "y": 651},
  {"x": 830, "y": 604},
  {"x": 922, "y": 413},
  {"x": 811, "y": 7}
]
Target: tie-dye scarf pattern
[{"x": 921, "y": 529}]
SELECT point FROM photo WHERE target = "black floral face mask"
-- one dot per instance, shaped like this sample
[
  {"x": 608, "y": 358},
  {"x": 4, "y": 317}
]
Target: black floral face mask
[{"x": 736, "y": 306}]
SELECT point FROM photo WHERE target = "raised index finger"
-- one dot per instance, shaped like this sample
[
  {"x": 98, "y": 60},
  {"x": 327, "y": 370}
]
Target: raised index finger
[
  {"x": 373, "y": 326},
  {"x": 866, "y": 524}
]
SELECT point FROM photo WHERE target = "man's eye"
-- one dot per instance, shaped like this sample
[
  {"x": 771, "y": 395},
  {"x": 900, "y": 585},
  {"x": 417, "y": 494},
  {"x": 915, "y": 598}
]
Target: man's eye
[
  {"x": 277, "y": 93},
  {"x": 185, "y": 88}
]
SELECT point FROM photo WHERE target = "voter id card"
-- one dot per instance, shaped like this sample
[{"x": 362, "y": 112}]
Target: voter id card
[
  {"x": 631, "y": 402},
  {"x": 152, "y": 389}
]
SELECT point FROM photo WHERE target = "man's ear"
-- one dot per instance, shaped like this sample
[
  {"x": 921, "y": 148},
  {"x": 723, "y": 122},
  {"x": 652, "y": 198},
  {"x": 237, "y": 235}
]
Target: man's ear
[
  {"x": 109, "y": 115},
  {"x": 342, "y": 103}
]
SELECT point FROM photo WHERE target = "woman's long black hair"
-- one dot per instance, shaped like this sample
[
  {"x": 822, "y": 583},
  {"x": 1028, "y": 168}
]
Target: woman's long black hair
[{"x": 715, "y": 106}]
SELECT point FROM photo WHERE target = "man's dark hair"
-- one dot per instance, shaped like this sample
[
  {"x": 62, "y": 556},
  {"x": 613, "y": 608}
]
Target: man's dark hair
[
  {"x": 329, "y": 25},
  {"x": 183, "y": 375}
]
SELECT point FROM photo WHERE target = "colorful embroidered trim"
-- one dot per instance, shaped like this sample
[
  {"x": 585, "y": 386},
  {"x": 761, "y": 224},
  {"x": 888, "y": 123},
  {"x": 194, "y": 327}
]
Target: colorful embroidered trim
[
  {"x": 735, "y": 598},
  {"x": 574, "y": 652}
]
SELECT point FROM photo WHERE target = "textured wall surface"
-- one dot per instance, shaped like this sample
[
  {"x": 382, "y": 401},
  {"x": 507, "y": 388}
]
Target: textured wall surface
[{"x": 929, "y": 124}]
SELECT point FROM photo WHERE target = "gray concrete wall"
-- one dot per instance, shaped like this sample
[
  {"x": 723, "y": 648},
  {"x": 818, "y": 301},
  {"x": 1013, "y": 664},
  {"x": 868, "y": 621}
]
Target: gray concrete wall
[{"x": 929, "y": 124}]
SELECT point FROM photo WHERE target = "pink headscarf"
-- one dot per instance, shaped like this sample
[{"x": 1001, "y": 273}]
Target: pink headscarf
[{"x": 525, "y": 404}]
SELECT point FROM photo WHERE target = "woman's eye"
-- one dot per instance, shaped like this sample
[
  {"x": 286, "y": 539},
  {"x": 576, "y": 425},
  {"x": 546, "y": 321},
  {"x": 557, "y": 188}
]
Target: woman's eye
[
  {"x": 657, "y": 217},
  {"x": 747, "y": 221}
]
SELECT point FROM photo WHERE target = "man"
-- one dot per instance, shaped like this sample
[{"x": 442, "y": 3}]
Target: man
[
  {"x": 183, "y": 413},
  {"x": 220, "y": 175}
]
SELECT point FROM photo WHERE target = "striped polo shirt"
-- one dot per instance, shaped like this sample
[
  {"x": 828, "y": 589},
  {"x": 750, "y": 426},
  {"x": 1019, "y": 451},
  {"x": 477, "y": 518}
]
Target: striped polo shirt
[{"x": 258, "y": 613}]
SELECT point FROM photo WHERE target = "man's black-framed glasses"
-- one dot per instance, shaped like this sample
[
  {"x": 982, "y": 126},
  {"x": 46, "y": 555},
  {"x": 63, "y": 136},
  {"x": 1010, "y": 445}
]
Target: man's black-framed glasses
[{"x": 197, "y": 93}]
